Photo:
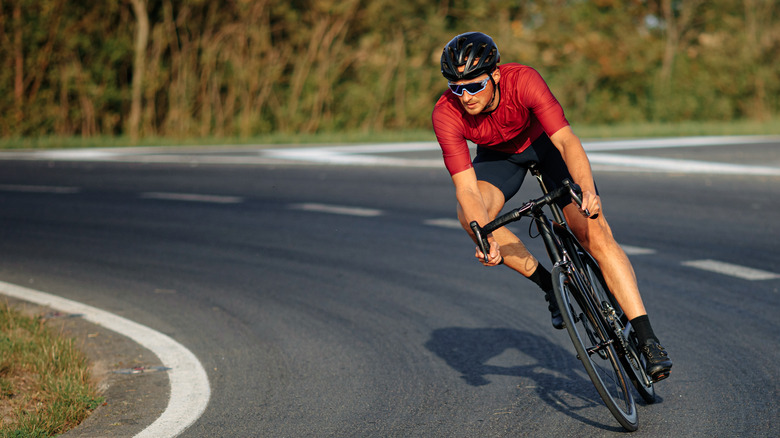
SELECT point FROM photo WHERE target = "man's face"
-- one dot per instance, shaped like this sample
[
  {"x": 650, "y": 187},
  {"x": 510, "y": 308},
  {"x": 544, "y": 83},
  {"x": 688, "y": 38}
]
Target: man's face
[{"x": 477, "y": 103}]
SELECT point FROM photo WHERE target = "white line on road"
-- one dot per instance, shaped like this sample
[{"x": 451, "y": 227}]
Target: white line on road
[
  {"x": 190, "y": 390},
  {"x": 382, "y": 155},
  {"x": 684, "y": 166},
  {"x": 190, "y": 197},
  {"x": 444, "y": 223},
  {"x": 676, "y": 142},
  {"x": 635, "y": 250},
  {"x": 38, "y": 189},
  {"x": 337, "y": 209},
  {"x": 738, "y": 271},
  {"x": 371, "y": 155}
]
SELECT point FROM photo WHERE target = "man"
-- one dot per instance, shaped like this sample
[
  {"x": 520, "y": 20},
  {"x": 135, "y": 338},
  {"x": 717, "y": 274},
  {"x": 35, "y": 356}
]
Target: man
[{"x": 514, "y": 119}]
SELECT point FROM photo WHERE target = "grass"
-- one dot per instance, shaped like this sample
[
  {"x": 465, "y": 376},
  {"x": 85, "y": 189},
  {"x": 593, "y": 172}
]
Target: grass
[
  {"x": 626, "y": 130},
  {"x": 45, "y": 387}
]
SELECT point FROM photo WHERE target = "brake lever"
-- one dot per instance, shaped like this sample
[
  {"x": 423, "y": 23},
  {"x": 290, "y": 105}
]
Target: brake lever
[
  {"x": 482, "y": 242},
  {"x": 576, "y": 194}
]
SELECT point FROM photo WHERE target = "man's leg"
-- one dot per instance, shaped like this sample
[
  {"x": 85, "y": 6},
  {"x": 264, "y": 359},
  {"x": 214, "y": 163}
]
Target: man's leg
[
  {"x": 513, "y": 251},
  {"x": 515, "y": 254},
  {"x": 596, "y": 236}
]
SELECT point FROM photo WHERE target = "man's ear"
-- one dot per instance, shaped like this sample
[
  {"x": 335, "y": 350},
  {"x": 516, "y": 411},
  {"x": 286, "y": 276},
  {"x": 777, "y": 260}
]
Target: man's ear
[{"x": 496, "y": 75}]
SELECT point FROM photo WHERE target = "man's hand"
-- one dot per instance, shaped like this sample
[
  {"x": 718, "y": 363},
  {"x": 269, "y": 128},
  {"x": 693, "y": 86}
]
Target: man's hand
[
  {"x": 592, "y": 203},
  {"x": 494, "y": 258}
]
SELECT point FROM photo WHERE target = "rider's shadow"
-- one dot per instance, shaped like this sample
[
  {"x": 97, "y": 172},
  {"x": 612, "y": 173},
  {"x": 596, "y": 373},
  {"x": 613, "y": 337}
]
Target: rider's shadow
[{"x": 559, "y": 377}]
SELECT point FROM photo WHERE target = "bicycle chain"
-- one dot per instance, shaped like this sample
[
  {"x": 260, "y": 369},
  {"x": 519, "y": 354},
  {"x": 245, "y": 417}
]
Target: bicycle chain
[
  {"x": 617, "y": 326},
  {"x": 611, "y": 315}
]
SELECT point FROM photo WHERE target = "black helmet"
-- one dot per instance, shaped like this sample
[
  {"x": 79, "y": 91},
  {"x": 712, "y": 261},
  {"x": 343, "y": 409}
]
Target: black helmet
[{"x": 463, "y": 50}]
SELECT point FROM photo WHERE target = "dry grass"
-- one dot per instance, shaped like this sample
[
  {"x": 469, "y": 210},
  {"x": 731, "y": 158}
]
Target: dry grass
[{"x": 45, "y": 387}]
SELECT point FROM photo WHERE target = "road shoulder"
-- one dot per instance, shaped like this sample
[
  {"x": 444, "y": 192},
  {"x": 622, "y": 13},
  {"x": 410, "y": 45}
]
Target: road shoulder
[{"x": 127, "y": 375}]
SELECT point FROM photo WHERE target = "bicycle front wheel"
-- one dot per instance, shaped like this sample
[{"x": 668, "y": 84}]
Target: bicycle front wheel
[
  {"x": 594, "y": 347},
  {"x": 633, "y": 363}
]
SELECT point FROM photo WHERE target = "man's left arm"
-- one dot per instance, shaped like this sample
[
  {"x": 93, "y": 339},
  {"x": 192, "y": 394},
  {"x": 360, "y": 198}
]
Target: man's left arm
[{"x": 578, "y": 164}]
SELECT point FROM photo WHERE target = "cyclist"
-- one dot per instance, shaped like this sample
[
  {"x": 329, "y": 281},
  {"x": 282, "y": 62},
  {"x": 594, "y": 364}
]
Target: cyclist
[{"x": 509, "y": 112}]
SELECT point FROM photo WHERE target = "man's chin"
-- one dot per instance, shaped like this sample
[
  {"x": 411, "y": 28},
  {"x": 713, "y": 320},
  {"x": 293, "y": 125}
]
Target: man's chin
[{"x": 473, "y": 110}]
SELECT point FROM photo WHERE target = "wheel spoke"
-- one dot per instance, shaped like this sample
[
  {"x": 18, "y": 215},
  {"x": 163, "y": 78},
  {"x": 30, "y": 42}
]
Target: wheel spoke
[{"x": 588, "y": 329}]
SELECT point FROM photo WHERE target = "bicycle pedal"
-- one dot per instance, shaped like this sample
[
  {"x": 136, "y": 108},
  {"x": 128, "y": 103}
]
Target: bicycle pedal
[{"x": 660, "y": 377}]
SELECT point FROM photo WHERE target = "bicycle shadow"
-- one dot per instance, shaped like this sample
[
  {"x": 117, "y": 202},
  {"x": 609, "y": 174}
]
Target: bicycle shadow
[{"x": 560, "y": 380}]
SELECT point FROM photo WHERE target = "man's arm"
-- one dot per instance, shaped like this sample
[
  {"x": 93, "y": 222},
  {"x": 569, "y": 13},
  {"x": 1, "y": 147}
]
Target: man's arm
[
  {"x": 578, "y": 164},
  {"x": 473, "y": 208}
]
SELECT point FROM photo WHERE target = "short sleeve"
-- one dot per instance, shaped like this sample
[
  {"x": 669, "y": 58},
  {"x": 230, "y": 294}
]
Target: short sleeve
[
  {"x": 537, "y": 97},
  {"x": 448, "y": 127}
]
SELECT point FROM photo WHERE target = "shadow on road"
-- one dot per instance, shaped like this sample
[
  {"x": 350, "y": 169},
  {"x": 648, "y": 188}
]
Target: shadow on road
[{"x": 560, "y": 381}]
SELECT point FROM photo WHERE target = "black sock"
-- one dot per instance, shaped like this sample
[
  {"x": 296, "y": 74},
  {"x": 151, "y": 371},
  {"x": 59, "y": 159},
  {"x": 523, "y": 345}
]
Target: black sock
[
  {"x": 542, "y": 278},
  {"x": 643, "y": 329}
]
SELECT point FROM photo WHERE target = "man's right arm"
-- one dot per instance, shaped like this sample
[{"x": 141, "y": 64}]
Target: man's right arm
[
  {"x": 473, "y": 209},
  {"x": 469, "y": 197},
  {"x": 455, "y": 151}
]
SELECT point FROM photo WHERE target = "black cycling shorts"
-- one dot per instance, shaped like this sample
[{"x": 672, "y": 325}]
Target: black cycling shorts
[{"x": 507, "y": 171}]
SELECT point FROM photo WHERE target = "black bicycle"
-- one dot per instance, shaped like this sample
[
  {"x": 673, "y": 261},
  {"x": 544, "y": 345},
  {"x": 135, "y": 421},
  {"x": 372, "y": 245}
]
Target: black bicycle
[{"x": 604, "y": 340}]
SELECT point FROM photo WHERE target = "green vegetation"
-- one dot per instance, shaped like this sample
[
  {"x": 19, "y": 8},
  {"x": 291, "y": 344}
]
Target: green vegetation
[
  {"x": 176, "y": 69},
  {"x": 44, "y": 382}
]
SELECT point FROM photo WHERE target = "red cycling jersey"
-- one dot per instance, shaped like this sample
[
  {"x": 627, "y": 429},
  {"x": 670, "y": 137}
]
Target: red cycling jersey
[{"x": 526, "y": 109}]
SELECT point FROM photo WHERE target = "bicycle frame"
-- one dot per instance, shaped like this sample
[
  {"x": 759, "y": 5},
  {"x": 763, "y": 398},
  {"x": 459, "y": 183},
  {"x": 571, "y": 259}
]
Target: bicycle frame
[{"x": 565, "y": 250}]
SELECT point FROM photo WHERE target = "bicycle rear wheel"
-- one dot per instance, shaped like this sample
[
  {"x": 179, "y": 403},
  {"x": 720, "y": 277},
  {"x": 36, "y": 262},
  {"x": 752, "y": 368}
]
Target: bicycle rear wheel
[
  {"x": 594, "y": 347},
  {"x": 633, "y": 363}
]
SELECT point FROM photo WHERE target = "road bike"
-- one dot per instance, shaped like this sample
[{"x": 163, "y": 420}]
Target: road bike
[{"x": 603, "y": 338}]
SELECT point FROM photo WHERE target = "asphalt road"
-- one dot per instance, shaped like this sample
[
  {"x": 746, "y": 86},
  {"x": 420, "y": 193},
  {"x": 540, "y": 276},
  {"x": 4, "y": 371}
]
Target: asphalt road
[{"x": 328, "y": 300}]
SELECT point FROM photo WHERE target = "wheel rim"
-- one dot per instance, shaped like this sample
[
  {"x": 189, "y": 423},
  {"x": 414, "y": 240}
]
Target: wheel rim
[
  {"x": 633, "y": 363},
  {"x": 599, "y": 358}
]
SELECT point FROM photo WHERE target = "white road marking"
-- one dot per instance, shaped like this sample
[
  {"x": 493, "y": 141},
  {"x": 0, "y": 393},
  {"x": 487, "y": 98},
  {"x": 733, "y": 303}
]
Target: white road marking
[
  {"x": 190, "y": 390},
  {"x": 444, "y": 223},
  {"x": 455, "y": 224},
  {"x": 337, "y": 209},
  {"x": 738, "y": 271},
  {"x": 87, "y": 154},
  {"x": 348, "y": 155},
  {"x": 635, "y": 250},
  {"x": 675, "y": 142},
  {"x": 381, "y": 155},
  {"x": 379, "y": 148},
  {"x": 38, "y": 189},
  {"x": 589, "y": 145},
  {"x": 656, "y": 164},
  {"x": 364, "y": 155},
  {"x": 190, "y": 197}
]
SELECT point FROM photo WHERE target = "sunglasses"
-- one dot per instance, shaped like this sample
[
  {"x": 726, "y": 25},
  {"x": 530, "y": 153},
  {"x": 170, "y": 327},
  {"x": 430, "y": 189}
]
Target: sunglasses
[{"x": 472, "y": 87}]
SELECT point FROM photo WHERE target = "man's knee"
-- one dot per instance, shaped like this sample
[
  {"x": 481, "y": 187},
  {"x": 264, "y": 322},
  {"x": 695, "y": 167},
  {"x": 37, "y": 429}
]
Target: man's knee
[
  {"x": 598, "y": 238},
  {"x": 594, "y": 234}
]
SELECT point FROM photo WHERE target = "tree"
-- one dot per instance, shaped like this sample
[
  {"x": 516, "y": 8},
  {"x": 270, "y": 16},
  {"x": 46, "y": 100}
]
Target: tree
[{"x": 139, "y": 66}]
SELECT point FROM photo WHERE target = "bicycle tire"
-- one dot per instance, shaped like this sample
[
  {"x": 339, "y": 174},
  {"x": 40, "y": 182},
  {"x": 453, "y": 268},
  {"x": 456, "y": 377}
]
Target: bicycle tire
[
  {"x": 634, "y": 364},
  {"x": 596, "y": 353}
]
